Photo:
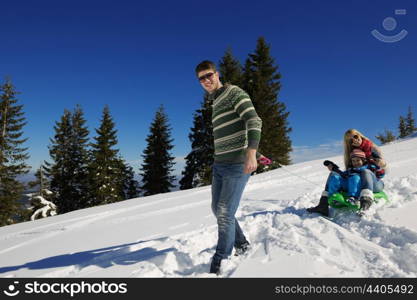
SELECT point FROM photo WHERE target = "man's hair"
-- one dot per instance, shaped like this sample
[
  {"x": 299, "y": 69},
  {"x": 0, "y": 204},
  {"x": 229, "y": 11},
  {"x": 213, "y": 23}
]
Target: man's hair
[{"x": 205, "y": 65}]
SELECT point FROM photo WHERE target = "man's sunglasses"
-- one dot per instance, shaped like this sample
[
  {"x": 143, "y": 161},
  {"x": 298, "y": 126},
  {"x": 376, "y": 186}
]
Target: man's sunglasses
[{"x": 206, "y": 76}]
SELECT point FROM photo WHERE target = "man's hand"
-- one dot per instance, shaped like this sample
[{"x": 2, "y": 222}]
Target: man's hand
[{"x": 250, "y": 161}]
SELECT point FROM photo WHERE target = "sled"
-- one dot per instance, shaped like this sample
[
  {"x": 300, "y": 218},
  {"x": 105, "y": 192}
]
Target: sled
[{"x": 338, "y": 200}]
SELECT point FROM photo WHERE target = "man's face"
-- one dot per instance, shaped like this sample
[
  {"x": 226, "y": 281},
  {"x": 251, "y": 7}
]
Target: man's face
[{"x": 209, "y": 80}]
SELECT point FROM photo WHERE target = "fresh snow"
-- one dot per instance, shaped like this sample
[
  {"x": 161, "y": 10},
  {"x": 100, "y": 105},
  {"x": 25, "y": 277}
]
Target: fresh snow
[{"x": 175, "y": 234}]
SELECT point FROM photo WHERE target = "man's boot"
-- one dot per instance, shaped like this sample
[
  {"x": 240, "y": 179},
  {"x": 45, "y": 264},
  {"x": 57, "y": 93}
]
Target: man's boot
[
  {"x": 215, "y": 265},
  {"x": 322, "y": 208}
]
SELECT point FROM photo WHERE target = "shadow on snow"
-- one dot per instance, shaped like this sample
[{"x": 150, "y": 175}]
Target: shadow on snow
[{"x": 103, "y": 257}]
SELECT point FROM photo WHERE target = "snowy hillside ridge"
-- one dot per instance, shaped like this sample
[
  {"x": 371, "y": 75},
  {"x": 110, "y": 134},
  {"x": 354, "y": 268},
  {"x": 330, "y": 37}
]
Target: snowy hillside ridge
[{"x": 175, "y": 234}]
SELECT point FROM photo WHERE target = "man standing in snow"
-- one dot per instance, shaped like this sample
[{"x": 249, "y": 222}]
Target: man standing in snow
[{"x": 237, "y": 132}]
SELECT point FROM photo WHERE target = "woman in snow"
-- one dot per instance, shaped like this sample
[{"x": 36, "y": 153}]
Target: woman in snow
[
  {"x": 370, "y": 177},
  {"x": 353, "y": 139}
]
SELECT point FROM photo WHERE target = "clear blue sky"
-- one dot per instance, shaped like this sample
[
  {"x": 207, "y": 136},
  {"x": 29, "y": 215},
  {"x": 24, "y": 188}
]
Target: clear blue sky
[{"x": 136, "y": 55}]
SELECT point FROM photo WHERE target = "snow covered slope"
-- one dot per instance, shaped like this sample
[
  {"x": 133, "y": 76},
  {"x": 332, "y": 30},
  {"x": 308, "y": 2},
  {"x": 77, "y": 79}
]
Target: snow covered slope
[{"x": 174, "y": 235}]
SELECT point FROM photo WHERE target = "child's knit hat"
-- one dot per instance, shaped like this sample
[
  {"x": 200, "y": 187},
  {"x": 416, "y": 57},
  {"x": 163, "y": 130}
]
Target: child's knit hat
[{"x": 357, "y": 153}]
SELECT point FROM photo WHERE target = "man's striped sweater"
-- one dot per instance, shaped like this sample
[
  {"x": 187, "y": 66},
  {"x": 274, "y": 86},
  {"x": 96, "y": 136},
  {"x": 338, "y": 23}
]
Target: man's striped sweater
[{"x": 236, "y": 125}]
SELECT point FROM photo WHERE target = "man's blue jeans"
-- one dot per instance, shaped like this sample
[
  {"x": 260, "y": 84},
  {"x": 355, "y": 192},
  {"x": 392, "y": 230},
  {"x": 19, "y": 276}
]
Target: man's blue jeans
[{"x": 228, "y": 184}]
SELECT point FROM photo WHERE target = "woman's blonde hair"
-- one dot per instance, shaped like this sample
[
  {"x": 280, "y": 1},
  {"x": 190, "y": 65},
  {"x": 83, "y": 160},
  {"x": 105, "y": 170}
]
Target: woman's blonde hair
[{"x": 347, "y": 145}]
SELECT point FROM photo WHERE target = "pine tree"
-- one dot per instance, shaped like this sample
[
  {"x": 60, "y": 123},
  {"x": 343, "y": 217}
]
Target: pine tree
[
  {"x": 80, "y": 156},
  {"x": 410, "y": 122},
  {"x": 157, "y": 162},
  {"x": 41, "y": 182},
  {"x": 68, "y": 171},
  {"x": 197, "y": 170},
  {"x": 230, "y": 69},
  {"x": 247, "y": 77},
  {"x": 58, "y": 172},
  {"x": 105, "y": 170},
  {"x": 402, "y": 128},
  {"x": 129, "y": 185},
  {"x": 386, "y": 137},
  {"x": 12, "y": 155},
  {"x": 261, "y": 80},
  {"x": 41, "y": 201},
  {"x": 207, "y": 152},
  {"x": 189, "y": 178}
]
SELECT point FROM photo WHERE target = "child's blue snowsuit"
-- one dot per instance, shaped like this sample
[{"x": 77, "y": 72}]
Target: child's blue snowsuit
[{"x": 349, "y": 181}]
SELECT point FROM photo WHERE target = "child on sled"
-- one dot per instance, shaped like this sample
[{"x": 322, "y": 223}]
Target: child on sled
[{"x": 350, "y": 181}]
